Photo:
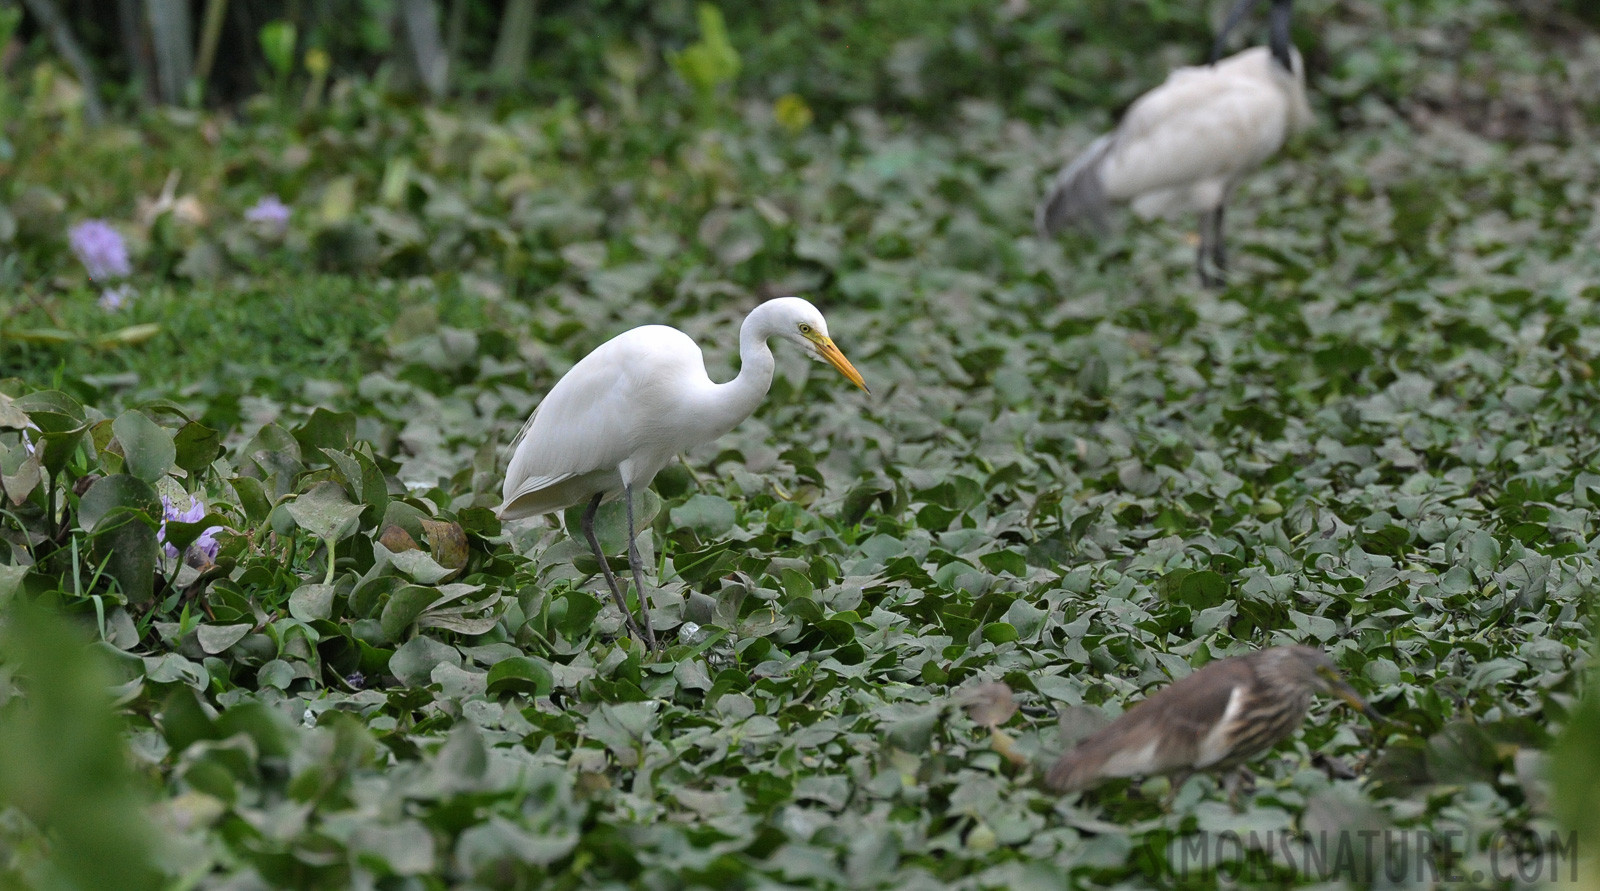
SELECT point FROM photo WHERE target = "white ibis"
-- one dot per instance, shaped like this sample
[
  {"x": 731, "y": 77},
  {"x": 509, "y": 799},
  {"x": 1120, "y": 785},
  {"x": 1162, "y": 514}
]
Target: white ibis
[{"x": 1185, "y": 145}]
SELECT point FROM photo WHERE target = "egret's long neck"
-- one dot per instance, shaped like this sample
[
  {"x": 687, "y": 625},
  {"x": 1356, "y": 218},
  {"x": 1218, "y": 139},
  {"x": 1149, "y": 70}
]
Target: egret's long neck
[{"x": 737, "y": 399}]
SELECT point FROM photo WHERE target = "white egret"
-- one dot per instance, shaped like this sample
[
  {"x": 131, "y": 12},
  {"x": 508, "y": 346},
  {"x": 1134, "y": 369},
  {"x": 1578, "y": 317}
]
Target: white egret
[
  {"x": 1186, "y": 144},
  {"x": 612, "y": 422}
]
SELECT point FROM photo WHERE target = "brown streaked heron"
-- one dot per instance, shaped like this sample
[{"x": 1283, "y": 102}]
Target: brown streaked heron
[{"x": 1217, "y": 718}]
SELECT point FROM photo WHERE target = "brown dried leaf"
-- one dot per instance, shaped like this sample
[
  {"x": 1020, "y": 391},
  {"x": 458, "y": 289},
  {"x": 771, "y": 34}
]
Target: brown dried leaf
[
  {"x": 447, "y": 542},
  {"x": 396, "y": 539}
]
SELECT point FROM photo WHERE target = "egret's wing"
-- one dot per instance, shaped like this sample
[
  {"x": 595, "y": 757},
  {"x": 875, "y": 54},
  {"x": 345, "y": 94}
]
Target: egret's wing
[
  {"x": 1202, "y": 123},
  {"x": 614, "y": 405},
  {"x": 579, "y": 427}
]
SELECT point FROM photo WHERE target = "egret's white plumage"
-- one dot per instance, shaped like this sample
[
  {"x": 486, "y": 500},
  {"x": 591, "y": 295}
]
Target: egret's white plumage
[
  {"x": 1185, "y": 145},
  {"x": 613, "y": 421}
]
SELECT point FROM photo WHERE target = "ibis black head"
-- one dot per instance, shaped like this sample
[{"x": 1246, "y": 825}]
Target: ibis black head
[{"x": 1277, "y": 29}]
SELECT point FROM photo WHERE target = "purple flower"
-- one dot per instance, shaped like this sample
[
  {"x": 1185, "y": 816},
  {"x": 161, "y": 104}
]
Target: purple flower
[
  {"x": 113, "y": 299},
  {"x": 270, "y": 214},
  {"x": 203, "y": 547},
  {"x": 206, "y": 545},
  {"x": 101, "y": 250}
]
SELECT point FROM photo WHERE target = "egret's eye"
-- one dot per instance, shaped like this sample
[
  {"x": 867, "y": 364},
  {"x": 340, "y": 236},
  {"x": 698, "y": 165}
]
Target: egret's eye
[{"x": 804, "y": 328}]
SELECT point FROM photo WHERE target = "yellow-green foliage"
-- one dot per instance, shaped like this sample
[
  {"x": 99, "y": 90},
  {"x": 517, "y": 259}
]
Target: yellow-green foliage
[{"x": 710, "y": 62}]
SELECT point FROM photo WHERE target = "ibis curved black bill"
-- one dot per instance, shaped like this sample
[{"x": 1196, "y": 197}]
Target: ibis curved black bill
[{"x": 1278, "y": 29}]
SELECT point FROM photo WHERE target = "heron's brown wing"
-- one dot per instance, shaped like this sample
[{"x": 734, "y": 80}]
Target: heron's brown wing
[{"x": 1162, "y": 734}]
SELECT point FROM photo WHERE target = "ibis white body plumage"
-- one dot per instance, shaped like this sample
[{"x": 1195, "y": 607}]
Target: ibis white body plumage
[{"x": 1184, "y": 146}]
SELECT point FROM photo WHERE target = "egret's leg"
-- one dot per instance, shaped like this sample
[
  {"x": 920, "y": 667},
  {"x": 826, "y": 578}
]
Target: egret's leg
[
  {"x": 638, "y": 574},
  {"x": 611, "y": 579}
]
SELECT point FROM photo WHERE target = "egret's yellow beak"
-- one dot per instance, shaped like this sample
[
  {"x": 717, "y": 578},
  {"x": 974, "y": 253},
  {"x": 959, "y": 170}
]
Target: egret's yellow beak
[{"x": 829, "y": 352}]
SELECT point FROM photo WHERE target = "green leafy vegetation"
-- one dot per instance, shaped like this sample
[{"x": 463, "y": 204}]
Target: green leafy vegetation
[{"x": 264, "y": 487}]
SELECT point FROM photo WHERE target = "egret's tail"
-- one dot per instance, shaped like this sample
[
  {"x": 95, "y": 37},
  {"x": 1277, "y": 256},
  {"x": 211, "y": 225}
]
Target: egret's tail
[{"x": 1077, "y": 197}]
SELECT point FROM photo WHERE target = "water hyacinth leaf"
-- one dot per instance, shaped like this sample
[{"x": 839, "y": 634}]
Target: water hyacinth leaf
[
  {"x": 128, "y": 550},
  {"x": 579, "y": 615},
  {"x": 473, "y": 618},
  {"x": 20, "y": 482},
  {"x": 1203, "y": 589},
  {"x": 276, "y": 674},
  {"x": 332, "y": 430},
  {"x": 180, "y": 535},
  {"x": 624, "y": 727},
  {"x": 414, "y": 661},
  {"x": 196, "y": 446},
  {"x": 12, "y": 417},
  {"x": 110, "y": 498},
  {"x": 495, "y": 845},
  {"x": 58, "y": 449},
  {"x": 913, "y": 730},
  {"x": 215, "y": 639},
  {"x": 325, "y": 512},
  {"x": 312, "y": 601},
  {"x": 1000, "y": 632},
  {"x": 520, "y": 674},
  {"x": 708, "y": 515},
  {"x": 175, "y": 669},
  {"x": 252, "y": 497},
  {"x": 146, "y": 446},
  {"x": 374, "y": 487},
  {"x": 364, "y": 480},
  {"x": 403, "y": 608},
  {"x": 264, "y": 725},
  {"x": 11, "y": 581},
  {"x": 417, "y": 565},
  {"x": 52, "y": 411},
  {"x": 403, "y": 850},
  {"x": 611, "y": 521},
  {"x": 405, "y": 516}
]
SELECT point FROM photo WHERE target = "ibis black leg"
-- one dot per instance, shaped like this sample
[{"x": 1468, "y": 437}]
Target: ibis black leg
[
  {"x": 1211, "y": 259},
  {"x": 638, "y": 574},
  {"x": 1219, "y": 246},
  {"x": 611, "y": 579}
]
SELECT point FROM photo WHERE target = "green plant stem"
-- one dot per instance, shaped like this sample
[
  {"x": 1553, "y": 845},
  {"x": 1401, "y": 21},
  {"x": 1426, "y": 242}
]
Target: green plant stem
[
  {"x": 67, "y": 45},
  {"x": 210, "y": 35}
]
